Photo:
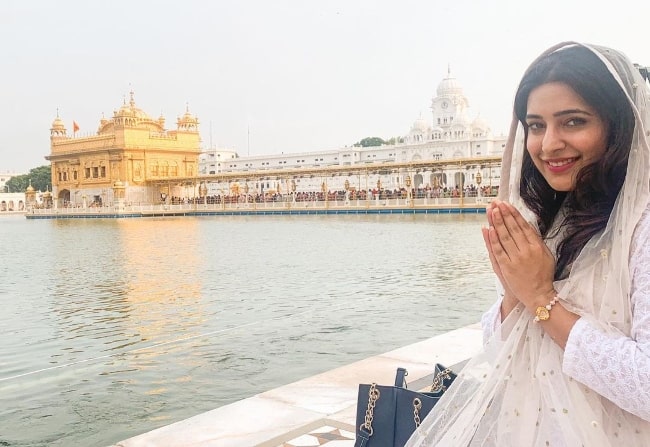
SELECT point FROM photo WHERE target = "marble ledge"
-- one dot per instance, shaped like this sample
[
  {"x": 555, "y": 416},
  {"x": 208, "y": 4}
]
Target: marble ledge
[{"x": 269, "y": 418}]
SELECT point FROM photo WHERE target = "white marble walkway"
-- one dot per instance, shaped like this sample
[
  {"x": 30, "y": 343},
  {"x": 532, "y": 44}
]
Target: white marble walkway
[{"x": 316, "y": 411}]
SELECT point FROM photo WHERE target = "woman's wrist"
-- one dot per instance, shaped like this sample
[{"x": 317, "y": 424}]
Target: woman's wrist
[
  {"x": 544, "y": 300},
  {"x": 508, "y": 303}
]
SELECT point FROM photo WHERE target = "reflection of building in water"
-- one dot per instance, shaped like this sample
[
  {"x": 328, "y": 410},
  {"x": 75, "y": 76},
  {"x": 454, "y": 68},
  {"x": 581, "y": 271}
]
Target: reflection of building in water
[
  {"x": 144, "y": 288},
  {"x": 130, "y": 149},
  {"x": 164, "y": 285},
  {"x": 449, "y": 134}
]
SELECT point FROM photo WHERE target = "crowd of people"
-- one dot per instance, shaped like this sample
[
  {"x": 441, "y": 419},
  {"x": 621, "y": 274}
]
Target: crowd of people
[{"x": 339, "y": 195}]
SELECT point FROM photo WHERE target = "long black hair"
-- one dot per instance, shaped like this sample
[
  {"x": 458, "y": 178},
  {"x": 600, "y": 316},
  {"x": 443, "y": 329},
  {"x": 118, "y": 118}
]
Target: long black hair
[{"x": 597, "y": 185}]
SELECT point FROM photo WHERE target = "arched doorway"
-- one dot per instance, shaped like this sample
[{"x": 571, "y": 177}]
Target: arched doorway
[
  {"x": 64, "y": 197},
  {"x": 438, "y": 179},
  {"x": 459, "y": 179},
  {"x": 417, "y": 181}
]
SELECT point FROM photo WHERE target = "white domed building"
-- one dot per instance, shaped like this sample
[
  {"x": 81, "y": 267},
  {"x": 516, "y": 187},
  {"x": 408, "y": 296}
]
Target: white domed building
[{"x": 450, "y": 134}]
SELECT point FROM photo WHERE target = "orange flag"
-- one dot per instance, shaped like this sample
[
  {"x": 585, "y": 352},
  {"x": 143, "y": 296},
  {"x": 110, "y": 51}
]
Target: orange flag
[{"x": 75, "y": 126}]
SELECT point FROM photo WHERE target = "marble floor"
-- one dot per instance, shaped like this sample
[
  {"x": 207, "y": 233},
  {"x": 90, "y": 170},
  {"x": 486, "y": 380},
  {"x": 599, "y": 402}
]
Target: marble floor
[
  {"x": 315, "y": 411},
  {"x": 326, "y": 435}
]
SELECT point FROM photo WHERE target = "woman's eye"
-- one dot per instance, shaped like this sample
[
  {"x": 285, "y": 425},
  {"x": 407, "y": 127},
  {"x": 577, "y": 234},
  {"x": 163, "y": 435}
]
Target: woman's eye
[
  {"x": 575, "y": 122},
  {"x": 535, "y": 126}
]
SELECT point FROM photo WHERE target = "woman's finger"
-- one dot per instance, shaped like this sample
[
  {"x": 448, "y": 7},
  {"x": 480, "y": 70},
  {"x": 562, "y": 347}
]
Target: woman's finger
[
  {"x": 495, "y": 265},
  {"x": 502, "y": 233},
  {"x": 509, "y": 215},
  {"x": 527, "y": 230},
  {"x": 499, "y": 252}
]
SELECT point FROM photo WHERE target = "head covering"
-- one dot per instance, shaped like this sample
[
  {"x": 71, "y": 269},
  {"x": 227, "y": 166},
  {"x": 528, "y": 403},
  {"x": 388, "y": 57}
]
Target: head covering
[{"x": 514, "y": 393}]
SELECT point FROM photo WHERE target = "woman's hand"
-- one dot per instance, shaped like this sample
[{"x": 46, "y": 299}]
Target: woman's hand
[
  {"x": 519, "y": 256},
  {"x": 509, "y": 300}
]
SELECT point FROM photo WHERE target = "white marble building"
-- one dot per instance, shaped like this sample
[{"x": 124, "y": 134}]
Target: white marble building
[{"x": 449, "y": 134}]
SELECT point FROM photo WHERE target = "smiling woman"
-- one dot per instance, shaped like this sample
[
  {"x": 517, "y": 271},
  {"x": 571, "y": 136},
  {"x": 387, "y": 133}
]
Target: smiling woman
[
  {"x": 565, "y": 134},
  {"x": 566, "y": 356}
]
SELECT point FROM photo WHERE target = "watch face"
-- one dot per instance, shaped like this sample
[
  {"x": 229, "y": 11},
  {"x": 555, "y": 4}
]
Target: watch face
[{"x": 444, "y": 105}]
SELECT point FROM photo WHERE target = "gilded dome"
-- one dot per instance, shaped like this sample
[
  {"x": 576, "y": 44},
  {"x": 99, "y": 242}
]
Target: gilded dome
[
  {"x": 188, "y": 117},
  {"x": 130, "y": 110},
  {"x": 187, "y": 122},
  {"x": 57, "y": 123}
]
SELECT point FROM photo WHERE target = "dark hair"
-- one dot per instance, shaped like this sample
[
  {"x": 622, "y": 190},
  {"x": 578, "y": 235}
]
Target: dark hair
[{"x": 597, "y": 185}]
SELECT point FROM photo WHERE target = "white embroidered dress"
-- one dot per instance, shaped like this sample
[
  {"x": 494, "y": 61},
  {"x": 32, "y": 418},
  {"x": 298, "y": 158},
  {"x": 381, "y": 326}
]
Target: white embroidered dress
[{"x": 522, "y": 389}]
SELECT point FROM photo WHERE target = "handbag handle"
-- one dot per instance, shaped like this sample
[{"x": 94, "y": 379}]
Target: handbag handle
[{"x": 400, "y": 377}]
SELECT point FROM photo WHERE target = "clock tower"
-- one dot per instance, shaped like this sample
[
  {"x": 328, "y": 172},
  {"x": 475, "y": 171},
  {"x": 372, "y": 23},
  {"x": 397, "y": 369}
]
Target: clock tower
[{"x": 450, "y": 105}]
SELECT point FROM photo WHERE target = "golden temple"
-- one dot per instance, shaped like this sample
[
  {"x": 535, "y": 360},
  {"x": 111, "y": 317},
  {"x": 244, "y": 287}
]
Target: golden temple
[{"x": 129, "y": 152}]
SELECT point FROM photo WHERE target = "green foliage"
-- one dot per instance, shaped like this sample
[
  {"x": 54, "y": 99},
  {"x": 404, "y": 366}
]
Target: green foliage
[
  {"x": 41, "y": 178},
  {"x": 370, "y": 141}
]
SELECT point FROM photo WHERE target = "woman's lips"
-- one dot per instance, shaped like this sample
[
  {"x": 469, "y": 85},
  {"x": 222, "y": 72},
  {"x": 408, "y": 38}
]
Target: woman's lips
[{"x": 560, "y": 165}]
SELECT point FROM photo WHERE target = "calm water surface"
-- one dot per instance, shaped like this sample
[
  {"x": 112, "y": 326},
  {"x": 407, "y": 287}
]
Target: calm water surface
[{"x": 111, "y": 328}]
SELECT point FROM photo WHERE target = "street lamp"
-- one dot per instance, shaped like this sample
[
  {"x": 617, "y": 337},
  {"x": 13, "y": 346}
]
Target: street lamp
[
  {"x": 479, "y": 179},
  {"x": 407, "y": 181}
]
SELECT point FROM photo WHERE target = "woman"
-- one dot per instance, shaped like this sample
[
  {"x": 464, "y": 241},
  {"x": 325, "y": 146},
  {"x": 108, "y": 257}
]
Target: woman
[{"x": 567, "y": 356}]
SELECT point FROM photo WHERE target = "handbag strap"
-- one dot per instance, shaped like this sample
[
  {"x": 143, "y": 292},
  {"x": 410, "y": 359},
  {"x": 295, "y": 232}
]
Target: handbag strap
[
  {"x": 365, "y": 430},
  {"x": 439, "y": 380}
]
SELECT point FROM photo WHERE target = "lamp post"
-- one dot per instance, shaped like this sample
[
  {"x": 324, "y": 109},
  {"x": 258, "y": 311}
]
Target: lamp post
[
  {"x": 479, "y": 179},
  {"x": 203, "y": 193},
  {"x": 407, "y": 182},
  {"x": 378, "y": 191}
]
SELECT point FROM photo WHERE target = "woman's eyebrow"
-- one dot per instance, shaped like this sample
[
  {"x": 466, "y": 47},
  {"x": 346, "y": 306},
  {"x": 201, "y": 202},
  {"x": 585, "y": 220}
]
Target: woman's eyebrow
[{"x": 560, "y": 113}]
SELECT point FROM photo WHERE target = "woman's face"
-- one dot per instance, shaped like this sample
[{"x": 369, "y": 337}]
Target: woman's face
[{"x": 565, "y": 134}]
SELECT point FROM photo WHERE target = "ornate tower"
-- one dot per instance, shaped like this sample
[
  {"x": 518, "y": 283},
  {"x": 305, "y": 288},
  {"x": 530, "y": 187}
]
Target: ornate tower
[{"x": 58, "y": 128}]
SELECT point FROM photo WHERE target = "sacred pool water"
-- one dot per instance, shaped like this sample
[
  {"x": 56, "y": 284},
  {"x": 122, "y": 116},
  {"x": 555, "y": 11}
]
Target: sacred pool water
[{"x": 111, "y": 328}]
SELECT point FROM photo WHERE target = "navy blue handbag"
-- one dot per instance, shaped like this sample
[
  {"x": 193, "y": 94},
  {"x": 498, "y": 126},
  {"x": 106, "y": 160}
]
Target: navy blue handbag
[{"x": 387, "y": 416}]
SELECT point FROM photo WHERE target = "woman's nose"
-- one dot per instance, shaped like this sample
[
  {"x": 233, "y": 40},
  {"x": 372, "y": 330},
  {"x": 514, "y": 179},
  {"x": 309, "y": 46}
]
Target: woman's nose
[{"x": 552, "y": 140}]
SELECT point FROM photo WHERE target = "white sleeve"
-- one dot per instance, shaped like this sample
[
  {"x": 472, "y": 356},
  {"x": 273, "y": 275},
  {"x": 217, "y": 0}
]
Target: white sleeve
[{"x": 615, "y": 366}]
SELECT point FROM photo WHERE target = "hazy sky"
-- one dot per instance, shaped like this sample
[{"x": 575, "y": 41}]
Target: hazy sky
[{"x": 271, "y": 76}]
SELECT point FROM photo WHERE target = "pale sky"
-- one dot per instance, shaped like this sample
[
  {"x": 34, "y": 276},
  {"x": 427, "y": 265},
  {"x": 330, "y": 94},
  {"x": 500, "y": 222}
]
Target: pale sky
[{"x": 272, "y": 76}]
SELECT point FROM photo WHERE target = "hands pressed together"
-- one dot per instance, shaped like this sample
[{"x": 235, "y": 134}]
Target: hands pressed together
[{"x": 520, "y": 258}]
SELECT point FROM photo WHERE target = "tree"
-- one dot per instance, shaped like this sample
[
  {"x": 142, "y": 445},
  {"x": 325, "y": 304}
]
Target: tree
[
  {"x": 370, "y": 141},
  {"x": 41, "y": 178},
  {"x": 395, "y": 140}
]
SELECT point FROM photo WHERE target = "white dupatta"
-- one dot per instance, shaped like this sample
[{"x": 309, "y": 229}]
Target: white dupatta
[{"x": 514, "y": 393}]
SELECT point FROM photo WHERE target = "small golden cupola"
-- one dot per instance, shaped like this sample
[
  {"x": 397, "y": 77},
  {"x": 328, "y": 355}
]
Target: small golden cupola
[
  {"x": 58, "y": 127},
  {"x": 188, "y": 122},
  {"x": 30, "y": 193}
]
